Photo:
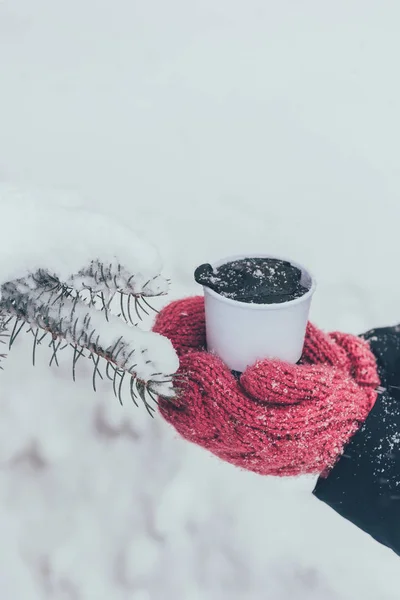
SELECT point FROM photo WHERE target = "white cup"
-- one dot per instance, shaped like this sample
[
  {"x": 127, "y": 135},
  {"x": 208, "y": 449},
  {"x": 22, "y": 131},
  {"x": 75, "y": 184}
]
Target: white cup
[{"x": 241, "y": 333}]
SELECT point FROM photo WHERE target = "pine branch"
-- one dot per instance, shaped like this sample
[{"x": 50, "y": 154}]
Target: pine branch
[{"x": 77, "y": 313}]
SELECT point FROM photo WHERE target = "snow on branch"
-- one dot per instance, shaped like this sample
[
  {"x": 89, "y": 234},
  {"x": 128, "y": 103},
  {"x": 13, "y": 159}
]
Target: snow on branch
[{"x": 60, "y": 269}]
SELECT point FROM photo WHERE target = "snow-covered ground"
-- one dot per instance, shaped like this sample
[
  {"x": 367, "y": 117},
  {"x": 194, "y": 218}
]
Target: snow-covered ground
[{"x": 213, "y": 128}]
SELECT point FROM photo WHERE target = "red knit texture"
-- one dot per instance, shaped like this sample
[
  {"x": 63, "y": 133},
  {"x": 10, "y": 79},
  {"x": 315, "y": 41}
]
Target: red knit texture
[{"x": 277, "y": 418}]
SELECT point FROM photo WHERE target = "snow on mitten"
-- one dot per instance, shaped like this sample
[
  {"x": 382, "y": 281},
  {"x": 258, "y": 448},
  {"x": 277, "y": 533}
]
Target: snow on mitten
[{"x": 276, "y": 418}]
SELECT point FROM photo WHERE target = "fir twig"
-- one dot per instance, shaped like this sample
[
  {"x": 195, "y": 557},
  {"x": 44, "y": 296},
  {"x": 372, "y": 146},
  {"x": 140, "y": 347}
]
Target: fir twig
[{"x": 68, "y": 312}]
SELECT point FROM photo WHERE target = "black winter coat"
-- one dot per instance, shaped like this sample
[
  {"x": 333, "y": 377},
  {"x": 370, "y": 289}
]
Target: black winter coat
[{"x": 364, "y": 485}]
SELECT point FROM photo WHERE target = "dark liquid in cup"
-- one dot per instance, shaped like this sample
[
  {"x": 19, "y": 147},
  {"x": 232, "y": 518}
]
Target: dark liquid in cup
[{"x": 254, "y": 280}]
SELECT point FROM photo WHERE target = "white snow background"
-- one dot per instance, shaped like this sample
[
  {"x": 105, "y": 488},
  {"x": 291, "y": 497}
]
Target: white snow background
[{"x": 213, "y": 128}]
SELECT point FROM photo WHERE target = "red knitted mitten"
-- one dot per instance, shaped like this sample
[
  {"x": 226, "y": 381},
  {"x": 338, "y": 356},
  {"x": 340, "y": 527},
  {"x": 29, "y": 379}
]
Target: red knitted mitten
[{"x": 277, "y": 418}]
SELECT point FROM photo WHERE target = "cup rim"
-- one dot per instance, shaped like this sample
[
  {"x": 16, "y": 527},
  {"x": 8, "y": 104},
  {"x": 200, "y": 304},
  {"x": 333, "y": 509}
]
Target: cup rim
[{"x": 254, "y": 306}]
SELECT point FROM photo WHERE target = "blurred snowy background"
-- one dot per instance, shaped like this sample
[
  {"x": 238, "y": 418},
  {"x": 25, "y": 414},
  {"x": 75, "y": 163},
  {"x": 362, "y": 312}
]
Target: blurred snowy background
[{"x": 213, "y": 128}]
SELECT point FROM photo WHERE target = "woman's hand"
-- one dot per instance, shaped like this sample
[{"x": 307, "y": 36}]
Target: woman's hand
[{"x": 275, "y": 418}]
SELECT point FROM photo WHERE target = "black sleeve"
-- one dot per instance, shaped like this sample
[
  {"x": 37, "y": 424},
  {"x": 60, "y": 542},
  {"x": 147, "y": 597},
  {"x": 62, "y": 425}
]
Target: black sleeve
[{"x": 364, "y": 485}]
